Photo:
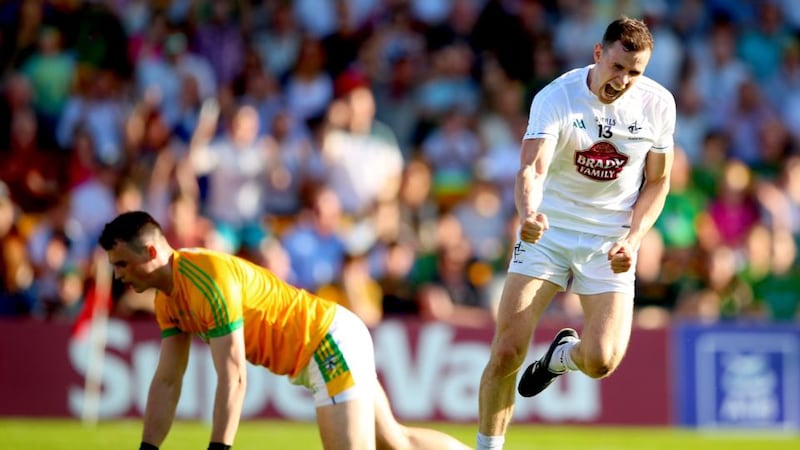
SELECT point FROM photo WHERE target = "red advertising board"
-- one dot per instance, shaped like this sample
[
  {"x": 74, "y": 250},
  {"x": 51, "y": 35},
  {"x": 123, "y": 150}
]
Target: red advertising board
[{"x": 430, "y": 372}]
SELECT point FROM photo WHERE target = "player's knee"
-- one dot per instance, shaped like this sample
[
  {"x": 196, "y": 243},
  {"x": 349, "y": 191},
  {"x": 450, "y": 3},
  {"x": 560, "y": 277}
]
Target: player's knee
[
  {"x": 507, "y": 356},
  {"x": 397, "y": 441},
  {"x": 599, "y": 367}
]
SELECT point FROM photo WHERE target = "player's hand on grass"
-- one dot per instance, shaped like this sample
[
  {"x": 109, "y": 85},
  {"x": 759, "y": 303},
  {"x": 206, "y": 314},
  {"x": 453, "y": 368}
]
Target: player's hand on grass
[{"x": 532, "y": 227}]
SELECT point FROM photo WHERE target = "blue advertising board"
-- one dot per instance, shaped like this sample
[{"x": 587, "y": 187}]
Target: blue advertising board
[{"x": 738, "y": 376}]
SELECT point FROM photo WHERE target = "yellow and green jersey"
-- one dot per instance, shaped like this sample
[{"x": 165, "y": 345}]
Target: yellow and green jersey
[{"x": 215, "y": 293}]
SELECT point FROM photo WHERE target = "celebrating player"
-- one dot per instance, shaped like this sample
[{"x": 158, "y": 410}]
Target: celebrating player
[{"x": 595, "y": 164}]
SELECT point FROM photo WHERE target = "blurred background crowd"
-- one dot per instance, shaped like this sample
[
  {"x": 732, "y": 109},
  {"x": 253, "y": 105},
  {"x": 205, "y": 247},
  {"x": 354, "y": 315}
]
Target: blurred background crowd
[{"x": 366, "y": 149}]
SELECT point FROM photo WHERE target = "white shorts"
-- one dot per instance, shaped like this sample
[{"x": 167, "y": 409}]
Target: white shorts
[
  {"x": 343, "y": 365},
  {"x": 572, "y": 259}
]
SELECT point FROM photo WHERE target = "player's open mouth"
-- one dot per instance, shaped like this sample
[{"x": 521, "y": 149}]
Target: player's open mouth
[{"x": 611, "y": 92}]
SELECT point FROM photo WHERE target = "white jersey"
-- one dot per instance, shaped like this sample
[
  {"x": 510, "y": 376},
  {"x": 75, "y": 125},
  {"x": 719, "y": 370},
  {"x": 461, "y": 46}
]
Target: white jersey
[{"x": 598, "y": 165}]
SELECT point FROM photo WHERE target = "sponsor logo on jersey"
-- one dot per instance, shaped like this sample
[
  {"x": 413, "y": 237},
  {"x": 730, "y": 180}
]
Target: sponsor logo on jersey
[
  {"x": 578, "y": 123},
  {"x": 602, "y": 161}
]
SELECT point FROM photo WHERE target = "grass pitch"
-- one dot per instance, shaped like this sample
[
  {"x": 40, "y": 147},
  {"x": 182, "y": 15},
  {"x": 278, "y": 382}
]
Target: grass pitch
[{"x": 262, "y": 434}]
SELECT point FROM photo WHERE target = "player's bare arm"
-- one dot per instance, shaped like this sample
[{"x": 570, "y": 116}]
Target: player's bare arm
[
  {"x": 165, "y": 388},
  {"x": 228, "y": 353},
  {"x": 646, "y": 210},
  {"x": 535, "y": 158}
]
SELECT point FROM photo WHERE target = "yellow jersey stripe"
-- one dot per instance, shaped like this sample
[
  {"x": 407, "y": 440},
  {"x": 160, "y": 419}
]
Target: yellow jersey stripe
[{"x": 210, "y": 292}]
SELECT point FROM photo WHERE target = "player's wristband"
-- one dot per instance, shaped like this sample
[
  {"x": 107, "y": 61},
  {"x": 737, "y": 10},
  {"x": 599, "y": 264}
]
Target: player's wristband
[
  {"x": 146, "y": 446},
  {"x": 218, "y": 446}
]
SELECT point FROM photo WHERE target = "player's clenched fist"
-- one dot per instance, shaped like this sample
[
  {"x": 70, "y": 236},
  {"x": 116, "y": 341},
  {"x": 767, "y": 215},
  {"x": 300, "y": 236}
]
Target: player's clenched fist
[
  {"x": 620, "y": 257},
  {"x": 533, "y": 227}
]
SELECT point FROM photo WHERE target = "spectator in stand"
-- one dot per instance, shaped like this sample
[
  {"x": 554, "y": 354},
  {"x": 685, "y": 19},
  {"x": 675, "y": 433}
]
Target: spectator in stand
[
  {"x": 48, "y": 278},
  {"x": 748, "y": 119},
  {"x": 308, "y": 88},
  {"x": 776, "y": 293},
  {"x": 724, "y": 279},
  {"x": 55, "y": 222},
  {"x": 655, "y": 296},
  {"x": 398, "y": 294},
  {"x": 20, "y": 32},
  {"x": 190, "y": 104},
  {"x": 17, "y": 297},
  {"x": 362, "y": 141},
  {"x": 451, "y": 149},
  {"x": 357, "y": 290},
  {"x": 98, "y": 107},
  {"x": 718, "y": 71},
  {"x": 17, "y": 98},
  {"x": 262, "y": 91},
  {"x": 734, "y": 209},
  {"x": 783, "y": 90},
  {"x": 417, "y": 209},
  {"x": 456, "y": 294},
  {"x": 184, "y": 227},
  {"x": 483, "y": 220},
  {"x": 93, "y": 202},
  {"x": 394, "y": 100},
  {"x": 236, "y": 165},
  {"x": 314, "y": 243},
  {"x": 682, "y": 219},
  {"x": 345, "y": 42},
  {"x": 577, "y": 21},
  {"x": 500, "y": 130},
  {"x": 707, "y": 171},
  {"x": 99, "y": 41},
  {"x": 278, "y": 43},
  {"x": 219, "y": 39},
  {"x": 695, "y": 124},
  {"x": 780, "y": 198},
  {"x": 160, "y": 76},
  {"x": 51, "y": 71},
  {"x": 293, "y": 166},
  {"x": 34, "y": 174},
  {"x": 761, "y": 45},
  {"x": 449, "y": 86}
]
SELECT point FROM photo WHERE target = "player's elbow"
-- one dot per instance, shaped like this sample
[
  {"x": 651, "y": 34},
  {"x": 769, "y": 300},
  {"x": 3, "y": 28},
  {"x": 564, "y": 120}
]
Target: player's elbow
[
  {"x": 241, "y": 379},
  {"x": 238, "y": 379},
  {"x": 530, "y": 175}
]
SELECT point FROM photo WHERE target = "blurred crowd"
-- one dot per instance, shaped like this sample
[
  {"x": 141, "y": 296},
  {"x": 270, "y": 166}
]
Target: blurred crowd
[{"x": 366, "y": 149}]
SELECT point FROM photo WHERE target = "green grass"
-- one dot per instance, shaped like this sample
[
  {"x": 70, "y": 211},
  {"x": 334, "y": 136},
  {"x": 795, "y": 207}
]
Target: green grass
[{"x": 68, "y": 434}]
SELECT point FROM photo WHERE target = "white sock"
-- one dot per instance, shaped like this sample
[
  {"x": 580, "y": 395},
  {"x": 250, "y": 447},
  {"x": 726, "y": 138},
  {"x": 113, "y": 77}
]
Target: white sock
[
  {"x": 562, "y": 358},
  {"x": 490, "y": 442}
]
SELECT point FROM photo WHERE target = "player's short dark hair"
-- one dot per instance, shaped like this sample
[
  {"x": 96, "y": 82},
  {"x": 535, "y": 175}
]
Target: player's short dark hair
[
  {"x": 127, "y": 227},
  {"x": 633, "y": 34}
]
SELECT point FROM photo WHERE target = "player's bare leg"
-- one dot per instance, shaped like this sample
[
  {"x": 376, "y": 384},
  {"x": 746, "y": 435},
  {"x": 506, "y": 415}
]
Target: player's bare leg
[
  {"x": 522, "y": 304},
  {"x": 606, "y": 332},
  {"x": 392, "y": 435},
  {"x": 347, "y": 425}
]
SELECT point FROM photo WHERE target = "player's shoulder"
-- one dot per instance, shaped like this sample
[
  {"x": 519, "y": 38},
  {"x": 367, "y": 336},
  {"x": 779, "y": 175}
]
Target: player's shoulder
[
  {"x": 201, "y": 257},
  {"x": 565, "y": 82},
  {"x": 562, "y": 90},
  {"x": 652, "y": 91}
]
